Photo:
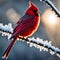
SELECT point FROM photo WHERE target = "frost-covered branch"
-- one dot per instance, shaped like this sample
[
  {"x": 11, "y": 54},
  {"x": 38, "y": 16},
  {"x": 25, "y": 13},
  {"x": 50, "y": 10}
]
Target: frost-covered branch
[
  {"x": 42, "y": 45},
  {"x": 6, "y": 30},
  {"x": 52, "y": 6}
]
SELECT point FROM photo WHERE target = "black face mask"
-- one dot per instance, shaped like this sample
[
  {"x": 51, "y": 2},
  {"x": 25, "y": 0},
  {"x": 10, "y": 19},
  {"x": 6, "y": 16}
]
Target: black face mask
[{"x": 35, "y": 12}]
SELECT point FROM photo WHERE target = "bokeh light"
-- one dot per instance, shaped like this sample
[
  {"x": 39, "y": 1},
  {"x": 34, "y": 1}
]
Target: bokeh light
[
  {"x": 52, "y": 26},
  {"x": 12, "y": 15},
  {"x": 49, "y": 17},
  {"x": 11, "y": 11}
]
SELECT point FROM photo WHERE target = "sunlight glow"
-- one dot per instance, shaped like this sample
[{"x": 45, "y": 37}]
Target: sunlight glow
[{"x": 50, "y": 18}]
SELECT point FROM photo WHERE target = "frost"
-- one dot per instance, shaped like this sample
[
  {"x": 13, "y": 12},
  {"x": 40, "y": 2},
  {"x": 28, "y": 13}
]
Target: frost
[
  {"x": 42, "y": 45},
  {"x": 49, "y": 3},
  {"x": 6, "y": 30}
]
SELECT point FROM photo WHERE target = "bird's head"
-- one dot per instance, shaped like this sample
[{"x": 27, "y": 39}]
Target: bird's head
[{"x": 32, "y": 9}]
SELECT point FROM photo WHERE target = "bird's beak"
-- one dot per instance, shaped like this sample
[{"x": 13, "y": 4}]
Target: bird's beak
[{"x": 38, "y": 12}]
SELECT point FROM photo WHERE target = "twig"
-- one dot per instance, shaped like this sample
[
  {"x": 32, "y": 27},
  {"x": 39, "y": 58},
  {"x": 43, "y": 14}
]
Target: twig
[
  {"x": 42, "y": 45},
  {"x": 52, "y": 6}
]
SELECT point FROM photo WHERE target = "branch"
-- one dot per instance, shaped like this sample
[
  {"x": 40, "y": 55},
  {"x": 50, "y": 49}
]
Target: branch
[
  {"x": 52, "y": 6},
  {"x": 6, "y": 30},
  {"x": 42, "y": 45}
]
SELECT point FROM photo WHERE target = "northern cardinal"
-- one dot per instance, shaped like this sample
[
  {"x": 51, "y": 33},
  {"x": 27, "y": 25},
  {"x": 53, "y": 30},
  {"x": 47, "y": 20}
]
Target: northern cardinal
[{"x": 25, "y": 27}]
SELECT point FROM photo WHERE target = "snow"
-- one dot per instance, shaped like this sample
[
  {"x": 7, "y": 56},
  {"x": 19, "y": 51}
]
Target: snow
[
  {"x": 6, "y": 30},
  {"x": 42, "y": 45},
  {"x": 49, "y": 3},
  {"x": 53, "y": 50}
]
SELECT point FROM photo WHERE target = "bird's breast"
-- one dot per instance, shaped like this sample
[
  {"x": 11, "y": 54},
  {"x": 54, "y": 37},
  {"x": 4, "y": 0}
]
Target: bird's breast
[
  {"x": 32, "y": 29},
  {"x": 36, "y": 23}
]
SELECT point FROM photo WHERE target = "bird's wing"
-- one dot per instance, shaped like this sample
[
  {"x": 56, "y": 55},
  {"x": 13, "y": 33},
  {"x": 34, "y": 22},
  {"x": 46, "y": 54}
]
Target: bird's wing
[{"x": 24, "y": 23}]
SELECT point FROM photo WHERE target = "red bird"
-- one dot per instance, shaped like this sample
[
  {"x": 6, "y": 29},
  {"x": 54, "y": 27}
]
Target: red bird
[{"x": 25, "y": 27}]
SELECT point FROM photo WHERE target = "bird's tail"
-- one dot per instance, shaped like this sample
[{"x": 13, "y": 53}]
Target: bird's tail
[{"x": 7, "y": 51}]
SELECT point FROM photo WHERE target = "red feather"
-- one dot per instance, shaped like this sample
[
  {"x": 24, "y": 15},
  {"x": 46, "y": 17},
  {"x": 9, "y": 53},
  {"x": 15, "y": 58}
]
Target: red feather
[{"x": 26, "y": 26}]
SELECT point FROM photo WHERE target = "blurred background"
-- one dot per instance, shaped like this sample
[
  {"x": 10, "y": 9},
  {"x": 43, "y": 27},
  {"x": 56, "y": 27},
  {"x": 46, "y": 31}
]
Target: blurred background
[{"x": 49, "y": 29}]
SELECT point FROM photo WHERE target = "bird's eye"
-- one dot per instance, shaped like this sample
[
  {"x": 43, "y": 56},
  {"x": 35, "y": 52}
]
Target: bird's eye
[{"x": 35, "y": 11}]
